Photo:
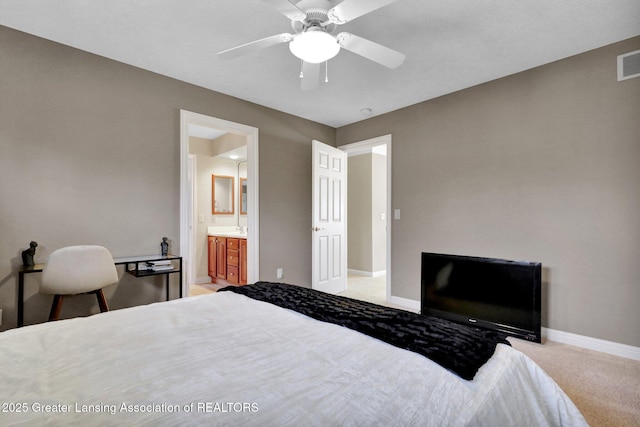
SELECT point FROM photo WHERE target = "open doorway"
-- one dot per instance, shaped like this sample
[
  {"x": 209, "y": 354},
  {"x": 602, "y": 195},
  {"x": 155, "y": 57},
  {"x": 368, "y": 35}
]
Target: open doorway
[
  {"x": 220, "y": 169},
  {"x": 369, "y": 226},
  {"x": 193, "y": 218}
]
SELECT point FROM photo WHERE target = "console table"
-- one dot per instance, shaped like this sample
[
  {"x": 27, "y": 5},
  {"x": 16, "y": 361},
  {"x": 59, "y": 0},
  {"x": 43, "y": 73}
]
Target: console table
[{"x": 132, "y": 266}]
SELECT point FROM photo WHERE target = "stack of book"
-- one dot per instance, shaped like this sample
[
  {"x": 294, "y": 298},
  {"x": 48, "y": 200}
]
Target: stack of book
[{"x": 163, "y": 265}]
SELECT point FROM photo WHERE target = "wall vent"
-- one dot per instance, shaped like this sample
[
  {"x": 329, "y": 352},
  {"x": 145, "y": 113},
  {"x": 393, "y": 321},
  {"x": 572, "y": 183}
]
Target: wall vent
[{"x": 629, "y": 65}]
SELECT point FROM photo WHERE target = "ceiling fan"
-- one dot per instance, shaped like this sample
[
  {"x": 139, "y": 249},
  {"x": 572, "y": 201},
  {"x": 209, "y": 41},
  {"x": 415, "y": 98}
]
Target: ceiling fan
[{"x": 314, "y": 23}]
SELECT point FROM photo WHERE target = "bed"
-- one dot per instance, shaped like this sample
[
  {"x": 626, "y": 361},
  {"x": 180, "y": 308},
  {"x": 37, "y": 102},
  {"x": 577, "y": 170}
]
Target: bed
[{"x": 230, "y": 359}]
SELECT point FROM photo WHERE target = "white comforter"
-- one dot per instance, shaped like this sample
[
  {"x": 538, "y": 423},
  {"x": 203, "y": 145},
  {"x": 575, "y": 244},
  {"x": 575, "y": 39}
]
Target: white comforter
[{"x": 224, "y": 359}]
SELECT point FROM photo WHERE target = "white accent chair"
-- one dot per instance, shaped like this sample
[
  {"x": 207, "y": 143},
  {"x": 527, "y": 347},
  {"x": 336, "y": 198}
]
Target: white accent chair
[{"x": 77, "y": 270}]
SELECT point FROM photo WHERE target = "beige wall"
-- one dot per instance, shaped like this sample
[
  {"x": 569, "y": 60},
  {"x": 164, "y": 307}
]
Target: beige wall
[
  {"x": 544, "y": 166},
  {"x": 89, "y": 153},
  {"x": 228, "y": 142},
  {"x": 359, "y": 205},
  {"x": 366, "y": 230},
  {"x": 378, "y": 209}
]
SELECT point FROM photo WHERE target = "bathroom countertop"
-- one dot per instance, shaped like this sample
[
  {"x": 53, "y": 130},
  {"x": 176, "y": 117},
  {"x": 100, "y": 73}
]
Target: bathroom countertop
[{"x": 229, "y": 234}]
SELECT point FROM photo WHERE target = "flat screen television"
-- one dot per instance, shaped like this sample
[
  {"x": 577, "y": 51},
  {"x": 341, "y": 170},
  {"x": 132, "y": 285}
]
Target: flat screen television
[{"x": 484, "y": 292}]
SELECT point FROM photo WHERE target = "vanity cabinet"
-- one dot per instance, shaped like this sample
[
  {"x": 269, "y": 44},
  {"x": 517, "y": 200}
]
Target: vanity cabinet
[
  {"x": 217, "y": 257},
  {"x": 228, "y": 259}
]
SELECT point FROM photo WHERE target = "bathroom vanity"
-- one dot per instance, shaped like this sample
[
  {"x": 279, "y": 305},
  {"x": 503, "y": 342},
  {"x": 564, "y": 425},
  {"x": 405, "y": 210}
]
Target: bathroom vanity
[{"x": 228, "y": 259}]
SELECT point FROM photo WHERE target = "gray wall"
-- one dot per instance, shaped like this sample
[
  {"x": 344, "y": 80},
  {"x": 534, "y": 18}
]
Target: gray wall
[
  {"x": 544, "y": 166},
  {"x": 89, "y": 153}
]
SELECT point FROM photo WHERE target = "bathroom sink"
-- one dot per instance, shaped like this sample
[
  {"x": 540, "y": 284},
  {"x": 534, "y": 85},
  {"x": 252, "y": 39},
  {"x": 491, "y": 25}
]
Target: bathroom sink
[{"x": 227, "y": 231}]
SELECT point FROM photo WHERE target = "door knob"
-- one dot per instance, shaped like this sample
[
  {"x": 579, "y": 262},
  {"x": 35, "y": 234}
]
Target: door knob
[{"x": 317, "y": 229}]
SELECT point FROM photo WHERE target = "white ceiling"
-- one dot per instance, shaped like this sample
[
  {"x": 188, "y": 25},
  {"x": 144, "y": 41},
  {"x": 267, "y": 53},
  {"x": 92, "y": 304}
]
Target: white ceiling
[{"x": 449, "y": 45}]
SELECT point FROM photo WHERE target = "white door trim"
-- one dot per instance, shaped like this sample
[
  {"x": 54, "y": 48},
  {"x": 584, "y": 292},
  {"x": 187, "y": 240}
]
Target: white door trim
[
  {"x": 187, "y": 249},
  {"x": 365, "y": 145},
  {"x": 191, "y": 217}
]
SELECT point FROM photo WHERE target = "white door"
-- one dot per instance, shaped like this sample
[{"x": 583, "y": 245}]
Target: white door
[{"x": 329, "y": 225}]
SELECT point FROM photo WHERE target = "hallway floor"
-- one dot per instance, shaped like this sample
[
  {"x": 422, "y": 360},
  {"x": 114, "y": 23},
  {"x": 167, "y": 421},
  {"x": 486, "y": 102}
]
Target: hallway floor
[{"x": 366, "y": 288}]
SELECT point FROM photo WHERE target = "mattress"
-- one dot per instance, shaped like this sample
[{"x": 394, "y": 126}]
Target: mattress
[{"x": 225, "y": 359}]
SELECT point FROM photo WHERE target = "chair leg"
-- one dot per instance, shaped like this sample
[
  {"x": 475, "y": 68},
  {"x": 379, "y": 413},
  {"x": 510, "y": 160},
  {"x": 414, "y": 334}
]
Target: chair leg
[
  {"x": 55, "y": 308},
  {"x": 102, "y": 301}
]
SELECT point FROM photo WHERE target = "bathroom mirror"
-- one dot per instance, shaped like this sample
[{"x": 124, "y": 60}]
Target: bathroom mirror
[
  {"x": 222, "y": 194},
  {"x": 243, "y": 196}
]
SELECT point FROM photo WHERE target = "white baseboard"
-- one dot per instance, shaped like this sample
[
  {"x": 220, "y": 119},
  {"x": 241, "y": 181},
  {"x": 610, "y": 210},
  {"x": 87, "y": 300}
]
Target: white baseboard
[
  {"x": 203, "y": 280},
  {"x": 367, "y": 273},
  {"x": 595, "y": 344},
  {"x": 409, "y": 304}
]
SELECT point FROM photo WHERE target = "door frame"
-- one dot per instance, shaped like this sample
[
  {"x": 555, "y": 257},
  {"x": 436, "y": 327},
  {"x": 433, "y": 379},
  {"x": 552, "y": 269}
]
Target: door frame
[
  {"x": 187, "y": 221},
  {"x": 362, "y": 146}
]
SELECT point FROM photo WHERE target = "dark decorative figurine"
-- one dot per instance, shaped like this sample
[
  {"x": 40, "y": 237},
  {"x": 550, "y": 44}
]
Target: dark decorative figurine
[
  {"x": 165, "y": 246},
  {"x": 27, "y": 254}
]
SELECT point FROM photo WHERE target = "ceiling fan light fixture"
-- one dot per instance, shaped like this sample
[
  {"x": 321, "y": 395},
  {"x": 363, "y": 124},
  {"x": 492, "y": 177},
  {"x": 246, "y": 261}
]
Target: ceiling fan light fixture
[{"x": 314, "y": 46}]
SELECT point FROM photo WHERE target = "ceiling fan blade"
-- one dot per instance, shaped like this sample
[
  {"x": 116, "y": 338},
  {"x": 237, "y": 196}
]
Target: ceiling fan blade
[
  {"x": 310, "y": 75},
  {"x": 370, "y": 50},
  {"x": 288, "y": 9},
  {"x": 351, "y": 9},
  {"x": 234, "y": 52}
]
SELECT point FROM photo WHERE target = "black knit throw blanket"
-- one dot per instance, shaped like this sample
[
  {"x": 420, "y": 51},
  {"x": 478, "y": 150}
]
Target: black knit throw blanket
[{"x": 458, "y": 348}]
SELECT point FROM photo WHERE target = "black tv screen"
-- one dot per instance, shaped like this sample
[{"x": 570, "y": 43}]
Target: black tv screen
[{"x": 484, "y": 292}]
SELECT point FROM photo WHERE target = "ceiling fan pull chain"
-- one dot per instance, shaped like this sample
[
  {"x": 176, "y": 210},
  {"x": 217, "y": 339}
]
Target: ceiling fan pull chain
[
  {"x": 301, "y": 68},
  {"x": 326, "y": 71}
]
